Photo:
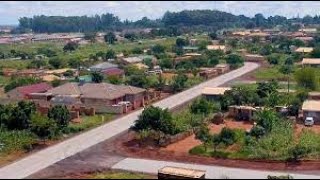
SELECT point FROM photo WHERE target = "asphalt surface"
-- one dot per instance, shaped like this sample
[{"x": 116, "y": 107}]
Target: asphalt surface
[
  {"x": 212, "y": 172},
  {"x": 49, "y": 156}
]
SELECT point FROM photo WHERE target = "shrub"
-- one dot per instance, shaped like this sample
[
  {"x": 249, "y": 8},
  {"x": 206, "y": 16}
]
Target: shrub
[
  {"x": 298, "y": 152},
  {"x": 198, "y": 150},
  {"x": 257, "y": 131},
  {"x": 227, "y": 136}
]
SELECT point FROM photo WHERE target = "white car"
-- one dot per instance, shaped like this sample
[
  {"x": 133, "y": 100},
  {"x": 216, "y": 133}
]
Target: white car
[{"x": 309, "y": 121}]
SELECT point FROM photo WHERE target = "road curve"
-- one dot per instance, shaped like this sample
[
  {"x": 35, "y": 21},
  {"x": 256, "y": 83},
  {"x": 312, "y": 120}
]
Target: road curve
[{"x": 44, "y": 158}]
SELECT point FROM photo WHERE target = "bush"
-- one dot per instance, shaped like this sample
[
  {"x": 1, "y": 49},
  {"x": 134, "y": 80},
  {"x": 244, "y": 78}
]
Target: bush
[
  {"x": 61, "y": 115},
  {"x": 227, "y": 136},
  {"x": 298, "y": 152},
  {"x": 198, "y": 150},
  {"x": 15, "y": 141},
  {"x": 257, "y": 131}
]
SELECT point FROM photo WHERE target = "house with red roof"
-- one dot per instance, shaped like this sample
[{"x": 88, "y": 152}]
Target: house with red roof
[
  {"x": 23, "y": 92},
  {"x": 113, "y": 72}
]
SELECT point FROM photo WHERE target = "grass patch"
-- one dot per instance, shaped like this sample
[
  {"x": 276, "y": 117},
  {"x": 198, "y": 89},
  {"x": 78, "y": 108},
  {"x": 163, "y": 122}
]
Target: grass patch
[
  {"x": 120, "y": 175},
  {"x": 11, "y": 141},
  {"x": 89, "y": 122}
]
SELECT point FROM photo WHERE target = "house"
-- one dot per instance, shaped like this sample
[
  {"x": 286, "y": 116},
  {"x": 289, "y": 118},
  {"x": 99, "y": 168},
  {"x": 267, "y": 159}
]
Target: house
[
  {"x": 24, "y": 92},
  {"x": 208, "y": 73},
  {"x": 245, "y": 113},
  {"x": 214, "y": 93},
  {"x": 305, "y": 39},
  {"x": 85, "y": 79},
  {"x": 103, "y": 66},
  {"x": 314, "y": 96},
  {"x": 311, "y": 108},
  {"x": 103, "y": 97},
  {"x": 190, "y": 48},
  {"x": 217, "y": 47},
  {"x": 222, "y": 68},
  {"x": 132, "y": 60},
  {"x": 113, "y": 72},
  {"x": 254, "y": 58},
  {"x": 309, "y": 30},
  {"x": 304, "y": 50},
  {"x": 314, "y": 62}
]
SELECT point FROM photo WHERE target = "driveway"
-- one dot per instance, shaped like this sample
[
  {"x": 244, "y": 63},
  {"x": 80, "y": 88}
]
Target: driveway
[
  {"x": 49, "y": 156},
  {"x": 212, "y": 172}
]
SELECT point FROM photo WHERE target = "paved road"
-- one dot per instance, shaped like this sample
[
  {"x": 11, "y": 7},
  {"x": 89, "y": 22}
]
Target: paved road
[
  {"x": 40, "y": 160},
  {"x": 212, "y": 172}
]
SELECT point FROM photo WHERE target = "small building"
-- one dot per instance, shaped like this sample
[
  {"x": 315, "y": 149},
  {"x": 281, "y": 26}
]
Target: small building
[
  {"x": 242, "y": 113},
  {"x": 311, "y": 108},
  {"x": 217, "y": 47},
  {"x": 314, "y": 96},
  {"x": 141, "y": 66},
  {"x": 103, "y": 66},
  {"x": 50, "y": 78},
  {"x": 113, "y": 72},
  {"x": 24, "y": 92},
  {"x": 222, "y": 68},
  {"x": 254, "y": 58},
  {"x": 208, "y": 73},
  {"x": 214, "y": 93},
  {"x": 85, "y": 79},
  {"x": 190, "y": 48},
  {"x": 314, "y": 62},
  {"x": 180, "y": 173},
  {"x": 305, "y": 39},
  {"x": 132, "y": 60},
  {"x": 304, "y": 50}
]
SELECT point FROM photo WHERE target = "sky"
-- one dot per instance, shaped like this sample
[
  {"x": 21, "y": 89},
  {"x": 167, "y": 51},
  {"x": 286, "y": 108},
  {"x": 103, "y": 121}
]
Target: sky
[{"x": 10, "y": 11}]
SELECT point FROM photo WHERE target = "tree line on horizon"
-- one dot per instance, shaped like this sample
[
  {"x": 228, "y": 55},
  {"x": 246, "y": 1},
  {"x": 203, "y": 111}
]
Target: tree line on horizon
[{"x": 187, "y": 19}]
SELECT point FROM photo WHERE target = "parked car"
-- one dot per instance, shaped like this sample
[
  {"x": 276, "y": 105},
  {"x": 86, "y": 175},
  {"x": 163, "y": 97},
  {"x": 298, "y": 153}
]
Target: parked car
[{"x": 309, "y": 121}]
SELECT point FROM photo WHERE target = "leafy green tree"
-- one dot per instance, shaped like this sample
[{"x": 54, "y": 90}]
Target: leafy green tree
[
  {"x": 179, "y": 82},
  {"x": 306, "y": 78},
  {"x": 267, "y": 119},
  {"x": 61, "y": 115},
  {"x": 37, "y": 64},
  {"x": 70, "y": 46},
  {"x": 21, "y": 81},
  {"x": 298, "y": 152},
  {"x": 266, "y": 88},
  {"x": 110, "y": 54},
  {"x": 227, "y": 136},
  {"x": 133, "y": 70},
  {"x": 203, "y": 106},
  {"x": 203, "y": 134},
  {"x": 154, "y": 118},
  {"x": 97, "y": 77},
  {"x": 273, "y": 59},
  {"x": 315, "y": 53},
  {"x": 57, "y": 63},
  {"x": 180, "y": 42},
  {"x": 166, "y": 63},
  {"x": 158, "y": 49},
  {"x": 42, "y": 126},
  {"x": 75, "y": 62},
  {"x": 235, "y": 60},
  {"x": 130, "y": 36},
  {"x": 21, "y": 115},
  {"x": 110, "y": 38},
  {"x": 287, "y": 70},
  {"x": 213, "y": 36},
  {"x": 47, "y": 51},
  {"x": 114, "y": 79},
  {"x": 257, "y": 132}
]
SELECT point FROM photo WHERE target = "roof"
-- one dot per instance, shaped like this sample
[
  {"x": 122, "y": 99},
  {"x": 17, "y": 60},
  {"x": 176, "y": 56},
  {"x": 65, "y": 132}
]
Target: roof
[
  {"x": 66, "y": 100},
  {"x": 254, "y": 55},
  {"x": 50, "y": 78},
  {"x": 58, "y": 71},
  {"x": 113, "y": 71},
  {"x": 184, "y": 172},
  {"x": 141, "y": 66},
  {"x": 96, "y": 90},
  {"x": 216, "y": 47},
  {"x": 133, "y": 59},
  {"x": 215, "y": 91},
  {"x": 304, "y": 49},
  {"x": 304, "y": 38},
  {"x": 192, "y": 54},
  {"x": 190, "y": 47},
  {"x": 103, "y": 66},
  {"x": 222, "y": 66},
  {"x": 311, "y": 105},
  {"x": 308, "y": 30},
  {"x": 35, "y": 88},
  {"x": 311, "y": 61},
  {"x": 314, "y": 93}
]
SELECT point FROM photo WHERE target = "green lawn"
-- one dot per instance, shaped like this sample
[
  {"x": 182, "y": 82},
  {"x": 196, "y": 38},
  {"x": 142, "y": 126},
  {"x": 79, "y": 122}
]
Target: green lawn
[
  {"x": 4, "y": 80},
  {"x": 16, "y": 64},
  {"x": 120, "y": 175},
  {"x": 89, "y": 122}
]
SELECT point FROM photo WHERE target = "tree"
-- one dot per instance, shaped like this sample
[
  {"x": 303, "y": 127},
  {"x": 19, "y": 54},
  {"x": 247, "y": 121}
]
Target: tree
[
  {"x": 70, "y": 46},
  {"x": 130, "y": 36},
  {"x": 61, "y": 115},
  {"x": 306, "y": 78},
  {"x": 155, "y": 118},
  {"x": 287, "y": 70},
  {"x": 266, "y": 88},
  {"x": 267, "y": 119},
  {"x": 110, "y": 54},
  {"x": 133, "y": 70},
  {"x": 235, "y": 60},
  {"x": 180, "y": 42},
  {"x": 90, "y": 36},
  {"x": 273, "y": 59},
  {"x": 57, "y": 63},
  {"x": 42, "y": 126},
  {"x": 114, "y": 79},
  {"x": 203, "y": 134},
  {"x": 257, "y": 132},
  {"x": 203, "y": 106},
  {"x": 166, "y": 63},
  {"x": 75, "y": 63},
  {"x": 213, "y": 36},
  {"x": 20, "y": 117},
  {"x": 227, "y": 136},
  {"x": 316, "y": 52},
  {"x": 97, "y": 77},
  {"x": 21, "y": 81},
  {"x": 37, "y": 64},
  {"x": 110, "y": 38},
  {"x": 158, "y": 49},
  {"x": 179, "y": 82},
  {"x": 298, "y": 152}
]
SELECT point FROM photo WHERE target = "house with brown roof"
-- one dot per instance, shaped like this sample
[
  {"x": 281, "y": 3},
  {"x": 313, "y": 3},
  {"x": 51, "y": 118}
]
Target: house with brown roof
[
  {"x": 314, "y": 62},
  {"x": 304, "y": 50},
  {"x": 24, "y": 92},
  {"x": 254, "y": 58},
  {"x": 212, "y": 93},
  {"x": 103, "y": 97}
]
